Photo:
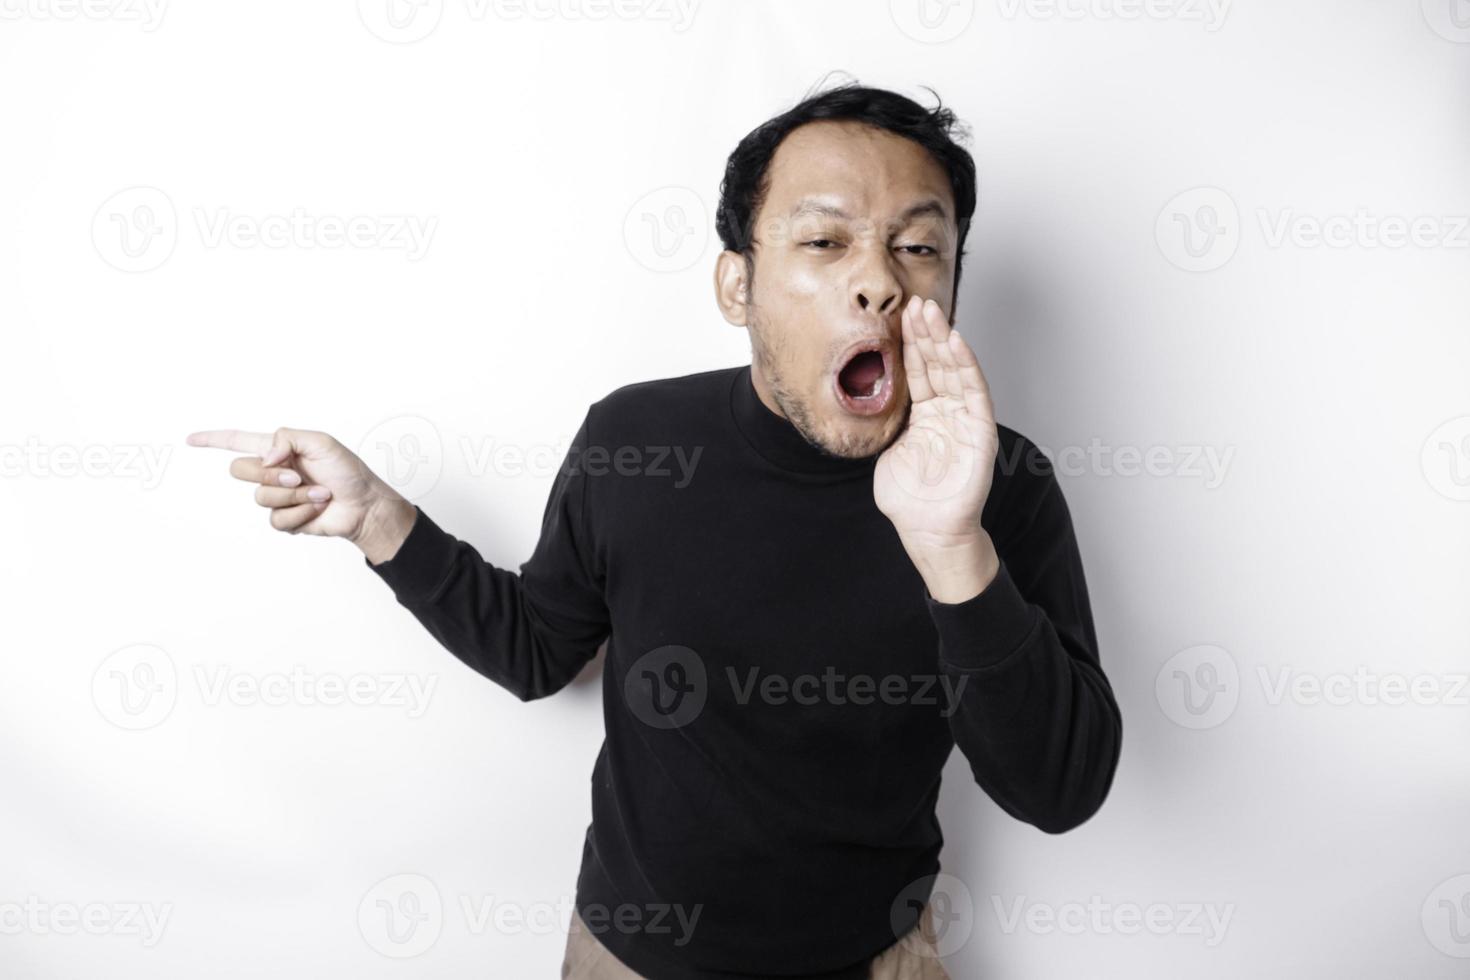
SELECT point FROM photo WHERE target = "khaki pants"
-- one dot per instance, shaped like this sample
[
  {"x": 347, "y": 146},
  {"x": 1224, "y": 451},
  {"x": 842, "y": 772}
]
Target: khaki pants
[{"x": 913, "y": 957}]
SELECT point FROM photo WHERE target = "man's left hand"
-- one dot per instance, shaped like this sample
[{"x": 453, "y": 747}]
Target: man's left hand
[{"x": 933, "y": 481}]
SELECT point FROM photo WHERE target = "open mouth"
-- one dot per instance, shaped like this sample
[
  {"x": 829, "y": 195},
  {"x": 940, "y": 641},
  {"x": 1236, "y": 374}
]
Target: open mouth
[{"x": 864, "y": 383}]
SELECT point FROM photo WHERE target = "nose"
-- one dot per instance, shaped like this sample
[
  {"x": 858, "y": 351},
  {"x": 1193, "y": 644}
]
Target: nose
[{"x": 876, "y": 291}]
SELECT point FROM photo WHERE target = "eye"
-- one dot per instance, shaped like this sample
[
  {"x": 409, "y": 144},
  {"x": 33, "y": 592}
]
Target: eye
[
  {"x": 924, "y": 249},
  {"x": 822, "y": 243}
]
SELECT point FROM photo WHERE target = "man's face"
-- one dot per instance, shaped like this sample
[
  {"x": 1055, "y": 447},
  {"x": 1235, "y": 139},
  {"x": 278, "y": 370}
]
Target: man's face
[{"x": 855, "y": 221}]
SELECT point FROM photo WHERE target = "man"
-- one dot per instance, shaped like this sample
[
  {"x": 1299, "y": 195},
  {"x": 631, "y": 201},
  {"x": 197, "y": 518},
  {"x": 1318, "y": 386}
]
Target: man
[{"x": 854, "y": 570}]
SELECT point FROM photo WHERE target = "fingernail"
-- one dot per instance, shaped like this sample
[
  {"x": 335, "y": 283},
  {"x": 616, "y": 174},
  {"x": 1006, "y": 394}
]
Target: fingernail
[
  {"x": 290, "y": 478},
  {"x": 318, "y": 493}
]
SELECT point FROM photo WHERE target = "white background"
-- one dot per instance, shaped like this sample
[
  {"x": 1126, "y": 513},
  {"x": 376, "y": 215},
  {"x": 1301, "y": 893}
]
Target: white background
[{"x": 538, "y": 152}]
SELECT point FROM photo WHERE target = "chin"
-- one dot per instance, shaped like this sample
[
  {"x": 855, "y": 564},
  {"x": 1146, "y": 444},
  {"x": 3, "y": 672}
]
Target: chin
[{"x": 858, "y": 437}]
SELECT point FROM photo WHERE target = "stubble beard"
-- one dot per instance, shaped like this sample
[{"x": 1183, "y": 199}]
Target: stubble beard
[{"x": 827, "y": 439}]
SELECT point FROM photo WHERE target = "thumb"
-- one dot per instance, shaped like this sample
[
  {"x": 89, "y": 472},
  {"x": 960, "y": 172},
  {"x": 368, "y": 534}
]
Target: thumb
[{"x": 287, "y": 441}]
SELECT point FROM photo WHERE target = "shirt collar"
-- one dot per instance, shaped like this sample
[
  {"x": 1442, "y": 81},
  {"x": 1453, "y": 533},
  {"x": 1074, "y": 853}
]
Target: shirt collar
[{"x": 779, "y": 442}]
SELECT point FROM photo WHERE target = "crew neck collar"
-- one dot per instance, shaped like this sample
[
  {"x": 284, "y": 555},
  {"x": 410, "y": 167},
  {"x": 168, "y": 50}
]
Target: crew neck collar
[{"x": 778, "y": 441}]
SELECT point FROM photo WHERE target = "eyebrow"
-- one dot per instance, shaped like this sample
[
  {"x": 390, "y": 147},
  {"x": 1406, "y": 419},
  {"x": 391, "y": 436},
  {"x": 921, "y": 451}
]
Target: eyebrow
[{"x": 809, "y": 206}]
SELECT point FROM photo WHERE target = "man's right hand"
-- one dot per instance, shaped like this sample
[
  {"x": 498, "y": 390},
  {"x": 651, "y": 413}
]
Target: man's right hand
[{"x": 313, "y": 484}]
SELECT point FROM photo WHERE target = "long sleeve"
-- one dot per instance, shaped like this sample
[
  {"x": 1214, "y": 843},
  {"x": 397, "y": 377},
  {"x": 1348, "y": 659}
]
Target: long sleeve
[
  {"x": 1036, "y": 717},
  {"x": 529, "y": 632}
]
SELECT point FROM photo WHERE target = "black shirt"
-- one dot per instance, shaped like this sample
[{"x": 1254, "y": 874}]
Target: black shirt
[{"x": 780, "y": 690}]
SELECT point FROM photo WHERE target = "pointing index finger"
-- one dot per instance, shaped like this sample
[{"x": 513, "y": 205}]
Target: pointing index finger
[{"x": 235, "y": 440}]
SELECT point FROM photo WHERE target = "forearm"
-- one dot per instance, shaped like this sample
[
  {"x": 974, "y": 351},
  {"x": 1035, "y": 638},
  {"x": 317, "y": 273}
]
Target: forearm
[
  {"x": 514, "y": 629},
  {"x": 1036, "y": 717},
  {"x": 385, "y": 528},
  {"x": 529, "y": 632}
]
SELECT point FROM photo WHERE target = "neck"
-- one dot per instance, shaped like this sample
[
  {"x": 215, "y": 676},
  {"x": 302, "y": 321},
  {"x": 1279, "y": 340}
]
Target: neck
[{"x": 772, "y": 435}]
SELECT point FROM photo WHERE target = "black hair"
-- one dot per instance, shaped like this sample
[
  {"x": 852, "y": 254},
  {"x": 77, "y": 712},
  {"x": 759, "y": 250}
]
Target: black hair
[{"x": 745, "y": 183}]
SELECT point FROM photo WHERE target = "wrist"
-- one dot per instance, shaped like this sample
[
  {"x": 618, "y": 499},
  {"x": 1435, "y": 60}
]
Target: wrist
[
  {"x": 385, "y": 527},
  {"x": 956, "y": 570}
]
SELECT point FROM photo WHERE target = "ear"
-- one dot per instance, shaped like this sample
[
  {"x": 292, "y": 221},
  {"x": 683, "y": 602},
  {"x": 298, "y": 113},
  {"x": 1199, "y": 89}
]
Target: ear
[{"x": 731, "y": 287}]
